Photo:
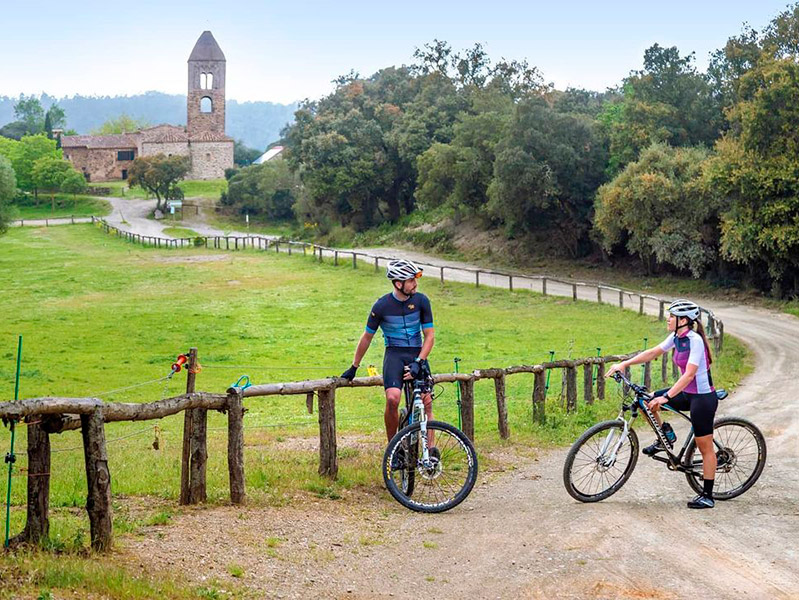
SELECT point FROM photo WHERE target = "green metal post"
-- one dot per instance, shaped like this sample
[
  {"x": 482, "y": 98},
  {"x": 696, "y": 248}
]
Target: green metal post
[
  {"x": 551, "y": 358},
  {"x": 11, "y": 457},
  {"x": 643, "y": 367},
  {"x": 458, "y": 392},
  {"x": 596, "y": 367}
]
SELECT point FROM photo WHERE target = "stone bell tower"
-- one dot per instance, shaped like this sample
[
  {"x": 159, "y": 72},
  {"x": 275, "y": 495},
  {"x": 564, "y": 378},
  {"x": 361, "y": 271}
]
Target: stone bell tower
[{"x": 206, "y": 97}]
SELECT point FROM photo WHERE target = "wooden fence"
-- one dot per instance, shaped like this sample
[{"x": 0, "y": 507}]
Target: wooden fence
[{"x": 47, "y": 416}]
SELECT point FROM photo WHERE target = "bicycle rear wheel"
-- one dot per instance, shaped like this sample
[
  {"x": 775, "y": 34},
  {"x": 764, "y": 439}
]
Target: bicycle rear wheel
[
  {"x": 600, "y": 461},
  {"x": 441, "y": 483},
  {"x": 740, "y": 455}
]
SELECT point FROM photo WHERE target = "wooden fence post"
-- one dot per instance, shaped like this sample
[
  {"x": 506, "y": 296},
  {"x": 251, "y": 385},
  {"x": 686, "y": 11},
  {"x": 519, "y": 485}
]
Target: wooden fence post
[
  {"x": 661, "y": 310},
  {"x": 510, "y": 283},
  {"x": 199, "y": 456},
  {"x": 235, "y": 446},
  {"x": 98, "y": 479},
  {"x": 640, "y": 305},
  {"x": 37, "y": 524},
  {"x": 599, "y": 294},
  {"x": 442, "y": 275},
  {"x": 664, "y": 370},
  {"x": 477, "y": 279},
  {"x": 335, "y": 258},
  {"x": 719, "y": 339},
  {"x": 539, "y": 397},
  {"x": 328, "y": 459},
  {"x": 600, "y": 380},
  {"x": 185, "y": 461},
  {"x": 674, "y": 370},
  {"x": 377, "y": 267},
  {"x": 621, "y": 299},
  {"x": 574, "y": 291},
  {"x": 502, "y": 409},
  {"x": 544, "y": 285},
  {"x": 354, "y": 260},
  {"x": 309, "y": 402},
  {"x": 648, "y": 375},
  {"x": 571, "y": 388},
  {"x": 467, "y": 407},
  {"x": 588, "y": 383},
  {"x": 628, "y": 375}
]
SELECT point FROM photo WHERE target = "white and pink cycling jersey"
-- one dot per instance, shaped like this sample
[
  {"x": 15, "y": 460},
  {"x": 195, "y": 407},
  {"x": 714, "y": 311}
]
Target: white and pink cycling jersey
[{"x": 690, "y": 350}]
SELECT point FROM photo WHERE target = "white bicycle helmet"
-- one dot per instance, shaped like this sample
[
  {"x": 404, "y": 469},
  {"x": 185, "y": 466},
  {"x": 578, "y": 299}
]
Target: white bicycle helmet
[
  {"x": 402, "y": 270},
  {"x": 684, "y": 308}
]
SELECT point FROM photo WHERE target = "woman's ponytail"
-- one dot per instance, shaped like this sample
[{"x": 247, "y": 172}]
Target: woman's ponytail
[{"x": 701, "y": 331}]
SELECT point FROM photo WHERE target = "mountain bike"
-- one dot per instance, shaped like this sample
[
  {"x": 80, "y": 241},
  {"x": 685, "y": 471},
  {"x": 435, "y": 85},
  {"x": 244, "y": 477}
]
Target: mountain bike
[
  {"x": 603, "y": 458},
  {"x": 428, "y": 466}
]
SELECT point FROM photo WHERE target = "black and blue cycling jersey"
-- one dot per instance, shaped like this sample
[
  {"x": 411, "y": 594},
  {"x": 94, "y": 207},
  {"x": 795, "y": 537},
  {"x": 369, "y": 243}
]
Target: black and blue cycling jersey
[{"x": 402, "y": 321}]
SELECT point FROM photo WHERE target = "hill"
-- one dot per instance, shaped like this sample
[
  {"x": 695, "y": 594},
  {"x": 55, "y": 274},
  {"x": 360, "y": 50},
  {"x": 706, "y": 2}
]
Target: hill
[{"x": 257, "y": 124}]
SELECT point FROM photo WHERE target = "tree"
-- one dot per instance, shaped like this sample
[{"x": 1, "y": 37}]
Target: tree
[
  {"x": 755, "y": 175},
  {"x": 8, "y": 187},
  {"x": 58, "y": 117},
  {"x": 159, "y": 175},
  {"x": 244, "y": 155},
  {"x": 269, "y": 189},
  {"x": 32, "y": 148},
  {"x": 74, "y": 183},
  {"x": 14, "y": 130},
  {"x": 667, "y": 101},
  {"x": 122, "y": 124},
  {"x": 658, "y": 209},
  {"x": 29, "y": 111},
  {"x": 547, "y": 169},
  {"x": 49, "y": 173}
]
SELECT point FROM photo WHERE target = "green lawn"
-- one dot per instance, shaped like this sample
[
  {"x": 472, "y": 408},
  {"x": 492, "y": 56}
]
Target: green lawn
[
  {"x": 180, "y": 232},
  {"x": 65, "y": 206},
  {"x": 100, "y": 314},
  {"x": 207, "y": 188}
]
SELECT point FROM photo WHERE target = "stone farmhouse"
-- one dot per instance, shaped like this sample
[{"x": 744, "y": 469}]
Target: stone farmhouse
[{"x": 108, "y": 157}]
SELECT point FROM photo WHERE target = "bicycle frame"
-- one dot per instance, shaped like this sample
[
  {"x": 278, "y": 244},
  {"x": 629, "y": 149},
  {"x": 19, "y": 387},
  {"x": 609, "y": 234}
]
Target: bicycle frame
[
  {"x": 414, "y": 389},
  {"x": 673, "y": 461}
]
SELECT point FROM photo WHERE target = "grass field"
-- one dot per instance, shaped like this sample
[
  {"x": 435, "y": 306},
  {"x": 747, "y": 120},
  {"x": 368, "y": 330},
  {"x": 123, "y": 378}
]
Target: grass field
[
  {"x": 65, "y": 206},
  {"x": 180, "y": 232},
  {"x": 98, "y": 314},
  {"x": 209, "y": 188}
]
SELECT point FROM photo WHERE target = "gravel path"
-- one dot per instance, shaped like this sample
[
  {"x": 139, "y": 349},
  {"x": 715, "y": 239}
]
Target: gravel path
[{"x": 519, "y": 535}]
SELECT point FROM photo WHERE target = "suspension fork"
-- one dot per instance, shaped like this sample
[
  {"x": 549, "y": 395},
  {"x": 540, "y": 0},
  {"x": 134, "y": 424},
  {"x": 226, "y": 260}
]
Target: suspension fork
[{"x": 605, "y": 446}]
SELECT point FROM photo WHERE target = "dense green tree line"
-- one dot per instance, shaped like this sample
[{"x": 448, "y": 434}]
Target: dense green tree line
[{"x": 684, "y": 171}]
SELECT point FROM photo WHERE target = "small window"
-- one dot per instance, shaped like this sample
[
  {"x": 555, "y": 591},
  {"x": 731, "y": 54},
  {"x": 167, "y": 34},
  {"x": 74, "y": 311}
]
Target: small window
[
  {"x": 202, "y": 81},
  {"x": 125, "y": 155},
  {"x": 206, "y": 81},
  {"x": 206, "y": 105}
]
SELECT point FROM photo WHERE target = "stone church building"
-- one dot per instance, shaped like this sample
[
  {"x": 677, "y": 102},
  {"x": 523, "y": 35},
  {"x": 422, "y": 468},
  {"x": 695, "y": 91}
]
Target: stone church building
[{"x": 108, "y": 157}]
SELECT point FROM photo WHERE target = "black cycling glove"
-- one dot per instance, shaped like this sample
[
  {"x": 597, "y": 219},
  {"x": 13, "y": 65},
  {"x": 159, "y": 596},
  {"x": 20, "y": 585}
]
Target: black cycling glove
[
  {"x": 419, "y": 367},
  {"x": 349, "y": 374}
]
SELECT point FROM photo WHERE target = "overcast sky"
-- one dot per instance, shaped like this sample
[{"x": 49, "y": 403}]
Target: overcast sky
[{"x": 285, "y": 51}]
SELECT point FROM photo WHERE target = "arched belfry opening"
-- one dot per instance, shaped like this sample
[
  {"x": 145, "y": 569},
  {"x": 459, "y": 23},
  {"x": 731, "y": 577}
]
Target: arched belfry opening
[{"x": 206, "y": 105}]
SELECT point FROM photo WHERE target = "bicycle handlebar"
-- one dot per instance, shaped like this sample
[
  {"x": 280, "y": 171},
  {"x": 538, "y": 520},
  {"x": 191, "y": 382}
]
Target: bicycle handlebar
[{"x": 638, "y": 389}]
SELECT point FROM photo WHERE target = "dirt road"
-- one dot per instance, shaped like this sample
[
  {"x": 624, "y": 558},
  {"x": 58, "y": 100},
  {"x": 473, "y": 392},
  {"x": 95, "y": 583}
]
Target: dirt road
[{"x": 519, "y": 535}]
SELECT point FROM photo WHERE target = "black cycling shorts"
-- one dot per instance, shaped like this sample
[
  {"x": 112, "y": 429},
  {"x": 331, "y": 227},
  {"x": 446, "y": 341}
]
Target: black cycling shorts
[
  {"x": 702, "y": 406},
  {"x": 394, "y": 362}
]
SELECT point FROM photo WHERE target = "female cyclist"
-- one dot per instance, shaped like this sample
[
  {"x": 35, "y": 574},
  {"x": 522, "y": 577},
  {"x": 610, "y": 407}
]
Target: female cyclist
[{"x": 693, "y": 391}]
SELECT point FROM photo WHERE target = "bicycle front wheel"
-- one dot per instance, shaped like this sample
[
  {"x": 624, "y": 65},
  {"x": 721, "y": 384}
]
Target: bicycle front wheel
[
  {"x": 740, "y": 458},
  {"x": 600, "y": 461},
  {"x": 442, "y": 482}
]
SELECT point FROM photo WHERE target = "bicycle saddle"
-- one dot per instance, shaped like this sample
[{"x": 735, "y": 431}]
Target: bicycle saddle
[{"x": 721, "y": 394}]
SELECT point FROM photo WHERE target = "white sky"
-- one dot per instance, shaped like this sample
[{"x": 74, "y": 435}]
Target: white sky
[{"x": 284, "y": 51}]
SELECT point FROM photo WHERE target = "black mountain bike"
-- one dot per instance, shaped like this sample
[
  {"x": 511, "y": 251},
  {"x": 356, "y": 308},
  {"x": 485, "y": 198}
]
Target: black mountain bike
[
  {"x": 602, "y": 459},
  {"x": 428, "y": 466}
]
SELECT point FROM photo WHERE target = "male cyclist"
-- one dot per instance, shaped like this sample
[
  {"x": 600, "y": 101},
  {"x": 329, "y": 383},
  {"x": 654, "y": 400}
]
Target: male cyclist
[{"x": 406, "y": 319}]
